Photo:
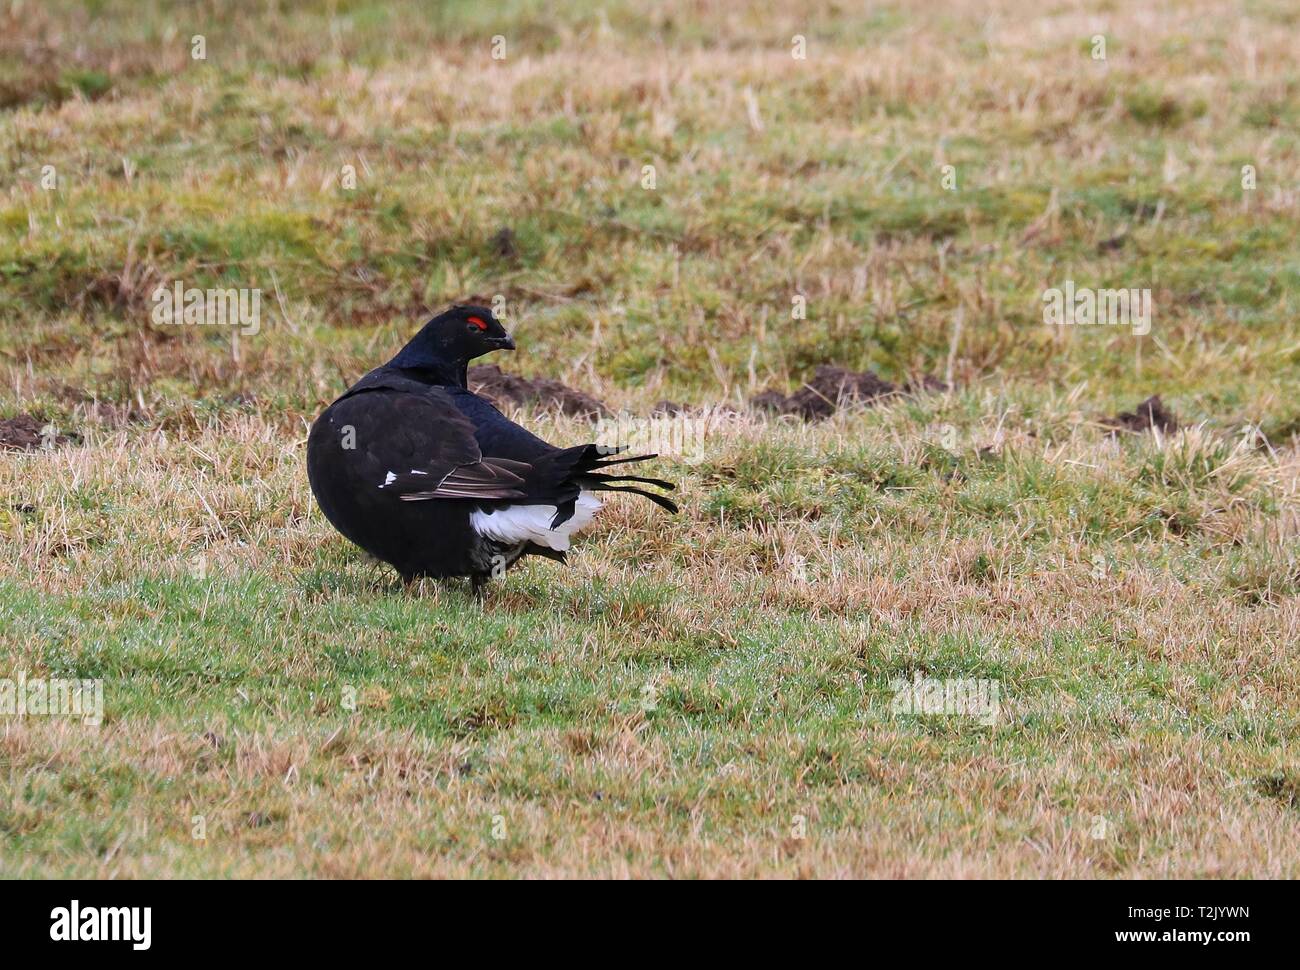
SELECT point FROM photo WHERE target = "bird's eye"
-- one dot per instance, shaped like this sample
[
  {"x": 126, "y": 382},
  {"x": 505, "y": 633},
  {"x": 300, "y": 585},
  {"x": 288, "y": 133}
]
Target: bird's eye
[{"x": 477, "y": 322}]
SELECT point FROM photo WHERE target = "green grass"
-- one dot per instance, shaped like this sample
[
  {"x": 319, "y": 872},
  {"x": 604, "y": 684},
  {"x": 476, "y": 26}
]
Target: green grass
[{"x": 707, "y": 695}]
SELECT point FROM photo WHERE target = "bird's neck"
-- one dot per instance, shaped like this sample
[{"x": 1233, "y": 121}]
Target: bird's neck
[{"x": 442, "y": 373}]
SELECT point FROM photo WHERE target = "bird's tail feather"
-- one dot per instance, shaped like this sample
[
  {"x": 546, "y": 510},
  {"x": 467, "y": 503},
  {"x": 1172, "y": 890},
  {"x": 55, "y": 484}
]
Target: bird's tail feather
[
  {"x": 588, "y": 472},
  {"x": 598, "y": 460},
  {"x": 658, "y": 500},
  {"x": 658, "y": 482},
  {"x": 593, "y": 477}
]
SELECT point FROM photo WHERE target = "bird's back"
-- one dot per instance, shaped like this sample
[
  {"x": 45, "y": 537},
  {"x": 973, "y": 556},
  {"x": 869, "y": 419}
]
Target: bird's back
[{"x": 496, "y": 434}]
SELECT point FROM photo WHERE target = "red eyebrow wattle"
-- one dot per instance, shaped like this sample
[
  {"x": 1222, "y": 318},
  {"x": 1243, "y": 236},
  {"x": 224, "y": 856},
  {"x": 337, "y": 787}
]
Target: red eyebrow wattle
[{"x": 478, "y": 322}]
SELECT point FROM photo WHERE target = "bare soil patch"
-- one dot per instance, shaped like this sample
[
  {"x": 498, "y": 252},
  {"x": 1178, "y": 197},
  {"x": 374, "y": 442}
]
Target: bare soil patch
[
  {"x": 22, "y": 433},
  {"x": 1150, "y": 415},
  {"x": 498, "y": 386},
  {"x": 832, "y": 387}
]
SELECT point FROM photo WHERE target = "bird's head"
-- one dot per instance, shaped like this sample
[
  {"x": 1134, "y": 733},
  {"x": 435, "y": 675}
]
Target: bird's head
[{"x": 453, "y": 338}]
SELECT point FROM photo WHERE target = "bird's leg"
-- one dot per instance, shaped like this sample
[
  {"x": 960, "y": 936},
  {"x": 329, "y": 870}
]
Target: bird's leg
[
  {"x": 414, "y": 583},
  {"x": 476, "y": 584}
]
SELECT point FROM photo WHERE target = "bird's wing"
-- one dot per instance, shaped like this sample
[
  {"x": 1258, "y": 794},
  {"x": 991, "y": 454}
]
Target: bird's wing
[
  {"x": 418, "y": 446},
  {"x": 557, "y": 475},
  {"x": 489, "y": 478}
]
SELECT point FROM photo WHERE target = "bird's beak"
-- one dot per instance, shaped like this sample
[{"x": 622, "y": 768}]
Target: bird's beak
[{"x": 505, "y": 342}]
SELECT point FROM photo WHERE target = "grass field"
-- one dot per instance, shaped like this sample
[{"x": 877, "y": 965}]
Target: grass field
[{"x": 712, "y": 694}]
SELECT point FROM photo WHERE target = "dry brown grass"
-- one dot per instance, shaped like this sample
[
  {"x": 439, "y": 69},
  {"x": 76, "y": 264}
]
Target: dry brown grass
[{"x": 1158, "y": 743}]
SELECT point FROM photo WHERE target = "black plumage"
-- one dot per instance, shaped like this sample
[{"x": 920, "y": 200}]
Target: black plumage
[{"x": 424, "y": 474}]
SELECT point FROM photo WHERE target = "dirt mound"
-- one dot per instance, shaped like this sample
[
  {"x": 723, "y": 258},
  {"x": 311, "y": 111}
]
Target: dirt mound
[
  {"x": 26, "y": 433},
  {"x": 830, "y": 388},
  {"x": 504, "y": 245},
  {"x": 1151, "y": 414},
  {"x": 668, "y": 409},
  {"x": 494, "y": 383}
]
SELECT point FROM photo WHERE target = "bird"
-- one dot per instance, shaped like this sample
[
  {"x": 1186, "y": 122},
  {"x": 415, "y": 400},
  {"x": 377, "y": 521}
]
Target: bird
[{"x": 429, "y": 477}]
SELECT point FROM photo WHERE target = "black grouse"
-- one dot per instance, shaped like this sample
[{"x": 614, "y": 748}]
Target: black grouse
[{"x": 421, "y": 472}]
